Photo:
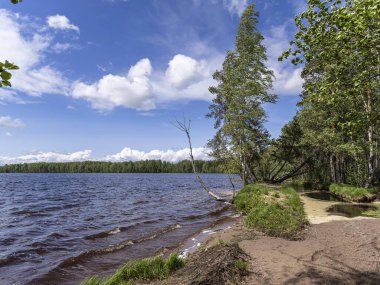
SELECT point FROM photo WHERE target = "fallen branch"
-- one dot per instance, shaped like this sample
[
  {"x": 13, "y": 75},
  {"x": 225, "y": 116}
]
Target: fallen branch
[{"x": 185, "y": 127}]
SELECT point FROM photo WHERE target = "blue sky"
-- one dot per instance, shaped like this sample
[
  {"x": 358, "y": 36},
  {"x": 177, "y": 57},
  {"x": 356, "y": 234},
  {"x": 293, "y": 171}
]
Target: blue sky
[{"x": 101, "y": 79}]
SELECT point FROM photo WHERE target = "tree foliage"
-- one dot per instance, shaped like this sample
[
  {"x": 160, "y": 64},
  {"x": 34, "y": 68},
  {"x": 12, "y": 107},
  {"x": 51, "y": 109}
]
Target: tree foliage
[
  {"x": 6, "y": 66},
  {"x": 334, "y": 138},
  {"x": 146, "y": 166},
  {"x": 339, "y": 44},
  {"x": 243, "y": 87}
]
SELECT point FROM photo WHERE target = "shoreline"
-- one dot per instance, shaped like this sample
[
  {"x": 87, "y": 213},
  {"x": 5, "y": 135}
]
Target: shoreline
[{"x": 328, "y": 251}]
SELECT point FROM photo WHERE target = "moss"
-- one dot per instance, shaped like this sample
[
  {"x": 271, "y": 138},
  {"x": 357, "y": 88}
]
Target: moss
[
  {"x": 353, "y": 194},
  {"x": 144, "y": 269},
  {"x": 276, "y": 212}
]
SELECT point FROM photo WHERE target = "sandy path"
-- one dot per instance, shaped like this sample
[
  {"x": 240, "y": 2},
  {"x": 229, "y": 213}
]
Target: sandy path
[
  {"x": 316, "y": 211},
  {"x": 339, "y": 252},
  {"x": 335, "y": 250}
]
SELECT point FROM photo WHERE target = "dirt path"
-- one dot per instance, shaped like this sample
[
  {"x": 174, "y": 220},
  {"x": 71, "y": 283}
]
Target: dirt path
[{"x": 339, "y": 252}]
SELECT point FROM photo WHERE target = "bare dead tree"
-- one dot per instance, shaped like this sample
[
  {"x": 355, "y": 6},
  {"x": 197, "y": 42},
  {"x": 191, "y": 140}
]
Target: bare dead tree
[{"x": 185, "y": 126}]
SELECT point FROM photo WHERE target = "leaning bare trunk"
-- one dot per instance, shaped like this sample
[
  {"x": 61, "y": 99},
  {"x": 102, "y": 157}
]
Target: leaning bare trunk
[
  {"x": 185, "y": 127},
  {"x": 233, "y": 187}
]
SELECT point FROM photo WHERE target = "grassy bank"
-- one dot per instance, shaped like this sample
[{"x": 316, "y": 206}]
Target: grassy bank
[
  {"x": 307, "y": 185},
  {"x": 372, "y": 213},
  {"x": 353, "y": 194},
  {"x": 153, "y": 268},
  {"x": 274, "y": 211}
]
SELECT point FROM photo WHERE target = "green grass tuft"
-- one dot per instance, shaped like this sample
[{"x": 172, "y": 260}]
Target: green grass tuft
[
  {"x": 222, "y": 242},
  {"x": 144, "y": 269},
  {"x": 372, "y": 213},
  {"x": 276, "y": 212},
  {"x": 351, "y": 193},
  {"x": 242, "y": 266}
]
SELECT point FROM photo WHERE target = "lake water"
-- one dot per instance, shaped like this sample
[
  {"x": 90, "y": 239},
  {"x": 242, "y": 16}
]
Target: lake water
[{"x": 61, "y": 228}]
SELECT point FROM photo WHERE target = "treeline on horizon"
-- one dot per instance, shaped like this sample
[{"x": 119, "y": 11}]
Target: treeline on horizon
[{"x": 146, "y": 166}]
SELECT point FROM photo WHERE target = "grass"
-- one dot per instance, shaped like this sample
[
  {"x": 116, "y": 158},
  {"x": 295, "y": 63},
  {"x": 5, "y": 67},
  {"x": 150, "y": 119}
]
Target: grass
[
  {"x": 242, "y": 266},
  {"x": 144, "y": 269},
  {"x": 222, "y": 242},
  {"x": 307, "y": 185},
  {"x": 276, "y": 212},
  {"x": 352, "y": 193},
  {"x": 372, "y": 213}
]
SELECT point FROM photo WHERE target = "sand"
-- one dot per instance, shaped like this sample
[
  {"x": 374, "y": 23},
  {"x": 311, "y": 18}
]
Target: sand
[{"x": 332, "y": 250}]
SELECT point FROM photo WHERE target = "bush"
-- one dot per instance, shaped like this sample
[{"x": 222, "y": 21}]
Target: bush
[
  {"x": 276, "y": 212},
  {"x": 353, "y": 194},
  {"x": 144, "y": 269}
]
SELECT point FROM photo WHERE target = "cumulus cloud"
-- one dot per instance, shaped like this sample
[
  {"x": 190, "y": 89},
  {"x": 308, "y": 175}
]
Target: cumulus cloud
[
  {"x": 143, "y": 89},
  {"x": 61, "y": 22},
  {"x": 235, "y": 6},
  {"x": 8, "y": 122},
  {"x": 187, "y": 78},
  {"x": 131, "y": 91},
  {"x": 128, "y": 154},
  {"x": 47, "y": 157},
  {"x": 27, "y": 51},
  {"x": 184, "y": 71}
]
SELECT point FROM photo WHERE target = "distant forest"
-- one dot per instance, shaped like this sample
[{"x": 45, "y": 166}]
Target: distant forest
[{"x": 146, "y": 166}]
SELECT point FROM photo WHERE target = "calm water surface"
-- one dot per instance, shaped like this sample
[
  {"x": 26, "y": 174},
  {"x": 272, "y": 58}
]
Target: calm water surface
[{"x": 60, "y": 228}]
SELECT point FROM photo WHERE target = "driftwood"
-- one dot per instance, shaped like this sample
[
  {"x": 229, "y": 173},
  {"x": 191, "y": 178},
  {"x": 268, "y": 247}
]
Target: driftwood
[{"x": 185, "y": 127}]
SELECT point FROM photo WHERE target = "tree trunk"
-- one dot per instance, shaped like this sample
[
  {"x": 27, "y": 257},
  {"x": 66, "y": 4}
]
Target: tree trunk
[
  {"x": 185, "y": 127},
  {"x": 371, "y": 155}
]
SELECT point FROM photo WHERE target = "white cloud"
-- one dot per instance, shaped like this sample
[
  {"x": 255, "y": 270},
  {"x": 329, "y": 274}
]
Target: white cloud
[
  {"x": 235, "y": 6},
  {"x": 288, "y": 77},
  {"x": 8, "y": 122},
  {"x": 184, "y": 71},
  {"x": 8, "y": 134},
  {"x": 131, "y": 91},
  {"x": 61, "y": 47},
  {"x": 187, "y": 78},
  {"x": 34, "y": 77},
  {"x": 61, "y": 22},
  {"x": 47, "y": 157},
  {"x": 143, "y": 89},
  {"x": 128, "y": 154}
]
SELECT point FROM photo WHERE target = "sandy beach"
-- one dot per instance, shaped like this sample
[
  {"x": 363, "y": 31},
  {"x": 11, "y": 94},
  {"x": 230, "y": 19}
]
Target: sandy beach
[{"x": 331, "y": 250}]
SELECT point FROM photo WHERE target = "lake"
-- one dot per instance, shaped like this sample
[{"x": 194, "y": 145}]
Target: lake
[{"x": 61, "y": 228}]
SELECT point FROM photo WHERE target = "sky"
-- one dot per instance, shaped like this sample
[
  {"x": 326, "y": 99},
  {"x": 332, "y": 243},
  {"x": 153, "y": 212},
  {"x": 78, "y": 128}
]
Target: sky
[{"x": 103, "y": 79}]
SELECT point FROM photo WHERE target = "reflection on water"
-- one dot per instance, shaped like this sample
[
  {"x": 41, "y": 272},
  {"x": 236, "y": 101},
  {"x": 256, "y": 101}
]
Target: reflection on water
[
  {"x": 349, "y": 210},
  {"x": 324, "y": 196}
]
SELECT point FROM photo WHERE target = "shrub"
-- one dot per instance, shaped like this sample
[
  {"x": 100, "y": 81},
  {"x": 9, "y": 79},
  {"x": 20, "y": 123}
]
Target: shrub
[{"x": 276, "y": 212}]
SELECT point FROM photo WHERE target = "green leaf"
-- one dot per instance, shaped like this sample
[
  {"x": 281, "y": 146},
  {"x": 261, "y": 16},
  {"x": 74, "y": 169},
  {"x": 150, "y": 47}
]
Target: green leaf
[{"x": 5, "y": 75}]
